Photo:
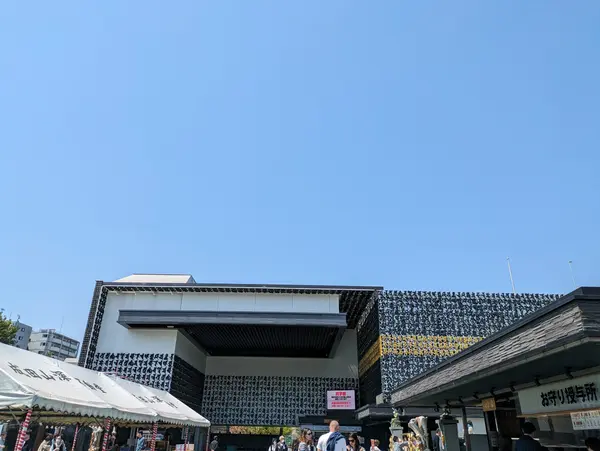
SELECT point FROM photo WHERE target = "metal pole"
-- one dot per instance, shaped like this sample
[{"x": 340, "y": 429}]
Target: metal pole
[
  {"x": 207, "y": 438},
  {"x": 572, "y": 275},
  {"x": 75, "y": 437},
  {"x": 466, "y": 429},
  {"x": 512, "y": 282}
]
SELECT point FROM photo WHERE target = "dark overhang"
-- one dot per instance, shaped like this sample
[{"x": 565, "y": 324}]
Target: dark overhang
[
  {"x": 562, "y": 338},
  {"x": 252, "y": 334},
  {"x": 374, "y": 413},
  {"x": 353, "y": 299}
]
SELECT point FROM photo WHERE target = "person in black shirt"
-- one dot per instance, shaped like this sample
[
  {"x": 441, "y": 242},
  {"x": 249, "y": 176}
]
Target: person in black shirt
[
  {"x": 527, "y": 442},
  {"x": 27, "y": 442}
]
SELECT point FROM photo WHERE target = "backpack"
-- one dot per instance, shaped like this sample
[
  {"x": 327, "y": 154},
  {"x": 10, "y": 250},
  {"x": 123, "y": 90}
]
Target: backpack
[{"x": 332, "y": 440}]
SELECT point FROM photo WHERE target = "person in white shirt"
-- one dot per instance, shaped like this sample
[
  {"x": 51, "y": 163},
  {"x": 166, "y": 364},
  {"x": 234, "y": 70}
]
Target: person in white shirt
[{"x": 333, "y": 440}]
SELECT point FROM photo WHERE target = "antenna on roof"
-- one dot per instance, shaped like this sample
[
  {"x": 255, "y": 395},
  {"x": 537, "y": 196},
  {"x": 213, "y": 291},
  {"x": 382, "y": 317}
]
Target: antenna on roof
[
  {"x": 512, "y": 282},
  {"x": 572, "y": 274}
]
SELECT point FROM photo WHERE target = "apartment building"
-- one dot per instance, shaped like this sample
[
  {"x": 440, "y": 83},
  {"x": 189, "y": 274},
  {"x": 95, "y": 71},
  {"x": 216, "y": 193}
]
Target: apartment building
[
  {"x": 53, "y": 344},
  {"x": 22, "y": 336}
]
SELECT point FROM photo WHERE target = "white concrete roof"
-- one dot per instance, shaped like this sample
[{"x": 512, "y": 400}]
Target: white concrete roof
[{"x": 157, "y": 278}]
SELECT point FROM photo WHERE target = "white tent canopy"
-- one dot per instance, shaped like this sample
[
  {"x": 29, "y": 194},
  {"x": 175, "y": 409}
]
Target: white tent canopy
[
  {"x": 32, "y": 380},
  {"x": 167, "y": 406}
]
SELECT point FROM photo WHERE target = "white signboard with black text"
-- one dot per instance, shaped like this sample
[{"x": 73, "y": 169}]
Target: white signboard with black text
[
  {"x": 341, "y": 400},
  {"x": 586, "y": 420},
  {"x": 572, "y": 394}
]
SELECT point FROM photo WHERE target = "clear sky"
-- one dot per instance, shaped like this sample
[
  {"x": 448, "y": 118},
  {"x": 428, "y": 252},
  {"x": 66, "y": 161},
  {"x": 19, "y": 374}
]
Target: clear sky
[{"x": 408, "y": 144}]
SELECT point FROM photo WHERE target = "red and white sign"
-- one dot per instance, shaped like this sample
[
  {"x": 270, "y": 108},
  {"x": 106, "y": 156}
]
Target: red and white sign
[{"x": 341, "y": 400}]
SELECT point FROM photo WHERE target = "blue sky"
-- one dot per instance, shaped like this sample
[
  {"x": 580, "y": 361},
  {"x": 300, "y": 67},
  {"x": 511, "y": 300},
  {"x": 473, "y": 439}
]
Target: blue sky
[{"x": 413, "y": 145}]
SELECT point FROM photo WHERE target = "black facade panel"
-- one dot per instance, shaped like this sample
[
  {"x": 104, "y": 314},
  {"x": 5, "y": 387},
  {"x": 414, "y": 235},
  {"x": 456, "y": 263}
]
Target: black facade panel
[
  {"x": 370, "y": 384},
  {"x": 187, "y": 384}
]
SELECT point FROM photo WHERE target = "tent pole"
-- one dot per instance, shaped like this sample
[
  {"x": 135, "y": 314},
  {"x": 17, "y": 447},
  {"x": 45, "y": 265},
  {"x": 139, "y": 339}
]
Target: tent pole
[
  {"x": 154, "y": 432},
  {"x": 14, "y": 417},
  {"x": 106, "y": 433},
  {"x": 75, "y": 437},
  {"x": 23, "y": 431}
]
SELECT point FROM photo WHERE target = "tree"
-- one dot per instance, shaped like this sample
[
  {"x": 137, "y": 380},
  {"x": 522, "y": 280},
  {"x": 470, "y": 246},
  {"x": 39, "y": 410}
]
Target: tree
[{"x": 8, "y": 329}]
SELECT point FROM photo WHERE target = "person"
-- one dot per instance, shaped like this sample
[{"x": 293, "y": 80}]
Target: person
[
  {"x": 46, "y": 443},
  {"x": 141, "y": 443},
  {"x": 592, "y": 444},
  {"x": 333, "y": 440},
  {"x": 27, "y": 442},
  {"x": 2, "y": 440},
  {"x": 527, "y": 442},
  {"x": 306, "y": 440},
  {"x": 438, "y": 441},
  {"x": 112, "y": 442},
  {"x": 281, "y": 445},
  {"x": 375, "y": 445},
  {"x": 58, "y": 444},
  {"x": 354, "y": 443},
  {"x": 214, "y": 445},
  {"x": 273, "y": 446},
  {"x": 398, "y": 444}
]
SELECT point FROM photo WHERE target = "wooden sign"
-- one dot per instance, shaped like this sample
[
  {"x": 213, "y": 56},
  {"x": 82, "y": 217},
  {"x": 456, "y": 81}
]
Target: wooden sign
[{"x": 488, "y": 404}]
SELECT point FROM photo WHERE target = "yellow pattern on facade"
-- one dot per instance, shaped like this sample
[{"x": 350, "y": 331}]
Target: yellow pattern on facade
[
  {"x": 370, "y": 357},
  {"x": 422, "y": 345},
  {"x": 414, "y": 345}
]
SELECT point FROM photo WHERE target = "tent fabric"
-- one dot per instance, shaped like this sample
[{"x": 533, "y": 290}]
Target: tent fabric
[
  {"x": 32, "y": 380},
  {"x": 167, "y": 406}
]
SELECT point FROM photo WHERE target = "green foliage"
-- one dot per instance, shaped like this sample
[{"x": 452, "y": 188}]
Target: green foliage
[{"x": 8, "y": 329}]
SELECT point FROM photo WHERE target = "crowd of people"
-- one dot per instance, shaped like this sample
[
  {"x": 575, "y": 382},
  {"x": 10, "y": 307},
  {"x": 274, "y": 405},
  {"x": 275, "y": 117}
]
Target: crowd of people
[{"x": 331, "y": 441}]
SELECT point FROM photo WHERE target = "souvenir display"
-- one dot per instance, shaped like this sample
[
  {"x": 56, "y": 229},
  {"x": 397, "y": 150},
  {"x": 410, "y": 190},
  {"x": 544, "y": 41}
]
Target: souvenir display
[
  {"x": 267, "y": 400},
  {"x": 95, "y": 439}
]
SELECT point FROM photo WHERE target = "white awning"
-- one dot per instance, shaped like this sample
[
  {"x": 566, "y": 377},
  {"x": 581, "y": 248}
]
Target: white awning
[
  {"x": 32, "y": 380},
  {"x": 168, "y": 407}
]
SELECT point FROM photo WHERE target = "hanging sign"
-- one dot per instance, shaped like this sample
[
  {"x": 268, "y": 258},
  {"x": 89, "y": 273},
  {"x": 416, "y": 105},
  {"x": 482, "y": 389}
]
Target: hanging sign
[
  {"x": 341, "y": 400},
  {"x": 586, "y": 420},
  {"x": 488, "y": 404},
  {"x": 573, "y": 394}
]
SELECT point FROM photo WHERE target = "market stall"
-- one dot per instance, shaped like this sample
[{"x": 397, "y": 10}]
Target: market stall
[{"x": 41, "y": 389}]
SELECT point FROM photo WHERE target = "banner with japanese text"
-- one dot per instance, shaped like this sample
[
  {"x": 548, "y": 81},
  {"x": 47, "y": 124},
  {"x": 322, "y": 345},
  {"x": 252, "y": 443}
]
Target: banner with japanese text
[{"x": 569, "y": 395}]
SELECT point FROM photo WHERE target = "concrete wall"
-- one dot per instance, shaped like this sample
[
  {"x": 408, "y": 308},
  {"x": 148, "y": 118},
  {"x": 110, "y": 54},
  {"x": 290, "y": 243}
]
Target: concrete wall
[
  {"x": 227, "y": 302},
  {"x": 190, "y": 353},
  {"x": 115, "y": 338},
  {"x": 344, "y": 364}
]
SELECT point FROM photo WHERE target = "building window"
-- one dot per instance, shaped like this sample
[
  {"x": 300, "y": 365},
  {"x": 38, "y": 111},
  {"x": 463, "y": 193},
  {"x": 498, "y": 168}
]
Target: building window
[
  {"x": 22, "y": 329},
  {"x": 20, "y": 338},
  {"x": 44, "y": 335},
  {"x": 44, "y": 344}
]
